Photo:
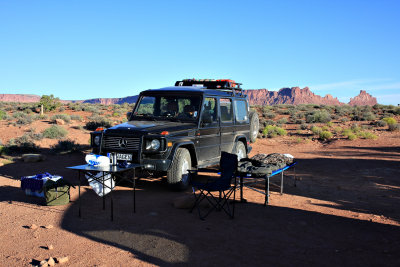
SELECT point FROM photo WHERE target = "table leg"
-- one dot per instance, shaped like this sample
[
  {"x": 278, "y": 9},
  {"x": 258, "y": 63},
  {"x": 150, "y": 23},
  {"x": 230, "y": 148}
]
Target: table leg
[
  {"x": 79, "y": 194},
  {"x": 241, "y": 188},
  {"x": 112, "y": 204},
  {"x": 104, "y": 197},
  {"x": 282, "y": 183},
  {"x": 134, "y": 190}
]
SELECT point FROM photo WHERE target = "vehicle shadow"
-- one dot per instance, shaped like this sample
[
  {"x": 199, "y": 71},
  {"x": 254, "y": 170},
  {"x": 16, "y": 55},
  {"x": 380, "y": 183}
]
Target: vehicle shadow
[{"x": 162, "y": 235}]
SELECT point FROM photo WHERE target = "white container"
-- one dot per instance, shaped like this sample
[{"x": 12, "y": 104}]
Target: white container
[{"x": 97, "y": 160}]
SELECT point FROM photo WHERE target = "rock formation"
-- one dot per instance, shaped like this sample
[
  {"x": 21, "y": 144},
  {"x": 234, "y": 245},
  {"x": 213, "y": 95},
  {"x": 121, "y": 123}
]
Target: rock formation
[
  {"x": 363, "y": 99},
  {"x": 293, "y": 96}
]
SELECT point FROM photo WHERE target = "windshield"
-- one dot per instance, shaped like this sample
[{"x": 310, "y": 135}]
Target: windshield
[{"x": 171, "y": 107}]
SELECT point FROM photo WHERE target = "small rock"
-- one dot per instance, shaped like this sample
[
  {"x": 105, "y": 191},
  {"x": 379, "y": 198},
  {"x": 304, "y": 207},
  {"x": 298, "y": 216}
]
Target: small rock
[
  {"x": 33, "y": 157},
  {"x": 59, "y": 121},
  {"x": 43, "y": 263},
  {"x": 49, "y": 226},
  {"x": 51, "y": 262},
  {"x": 50, "y": 247},
  {"x": 33, "y": 226},
  {"x": 62, "y": 260}
]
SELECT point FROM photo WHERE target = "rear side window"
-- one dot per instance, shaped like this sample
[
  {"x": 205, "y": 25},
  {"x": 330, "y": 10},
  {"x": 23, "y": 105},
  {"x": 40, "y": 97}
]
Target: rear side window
[
  {"x": 226, "y": 109},
  {"x": 240, "y": 110}
]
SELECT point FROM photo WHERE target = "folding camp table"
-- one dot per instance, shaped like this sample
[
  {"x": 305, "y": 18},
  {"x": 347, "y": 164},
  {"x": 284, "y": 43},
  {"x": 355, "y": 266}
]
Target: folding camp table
[
  {"x": 110, "y": 172},
  {"x": 249, "y": 180}
]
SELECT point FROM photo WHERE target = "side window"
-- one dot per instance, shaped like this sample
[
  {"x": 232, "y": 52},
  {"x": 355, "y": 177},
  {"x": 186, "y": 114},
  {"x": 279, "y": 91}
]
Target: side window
[
  {"x": 225, "y": 105},
  {"x": 240, "y": 110},
  {"x": 210, "y": 114}
]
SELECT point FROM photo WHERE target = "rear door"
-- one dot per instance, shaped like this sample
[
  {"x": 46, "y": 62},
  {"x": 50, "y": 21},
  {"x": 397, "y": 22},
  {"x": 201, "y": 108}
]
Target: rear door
[
  {"x": 208, "y": 135},
  {"x": 227, "y": 124}
]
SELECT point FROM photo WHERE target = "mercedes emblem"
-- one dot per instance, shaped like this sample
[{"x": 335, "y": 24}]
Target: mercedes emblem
[{"x": 122, "y": 142}]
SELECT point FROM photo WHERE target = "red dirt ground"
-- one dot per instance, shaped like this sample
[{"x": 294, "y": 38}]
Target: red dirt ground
[{"x": 345, "y": 210}]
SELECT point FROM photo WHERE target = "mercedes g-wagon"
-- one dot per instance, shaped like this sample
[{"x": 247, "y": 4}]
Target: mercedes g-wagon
[{"x": 173, "y": 129}]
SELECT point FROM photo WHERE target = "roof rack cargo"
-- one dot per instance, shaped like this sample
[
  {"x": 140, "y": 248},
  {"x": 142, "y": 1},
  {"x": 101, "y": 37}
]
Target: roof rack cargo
[{"x": 215, "y": 84}]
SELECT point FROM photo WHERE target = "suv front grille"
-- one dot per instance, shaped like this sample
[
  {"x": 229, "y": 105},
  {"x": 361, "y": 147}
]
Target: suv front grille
[{"x": 121, "y": 143}]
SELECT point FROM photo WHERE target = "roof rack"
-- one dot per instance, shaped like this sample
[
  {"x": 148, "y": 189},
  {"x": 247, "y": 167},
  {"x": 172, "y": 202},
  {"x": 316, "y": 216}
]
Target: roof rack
[{"x": 215, "y": 84}]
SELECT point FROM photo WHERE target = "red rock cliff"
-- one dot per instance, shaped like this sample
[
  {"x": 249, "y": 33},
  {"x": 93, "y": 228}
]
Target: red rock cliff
[{"x": 363, "y": 99}]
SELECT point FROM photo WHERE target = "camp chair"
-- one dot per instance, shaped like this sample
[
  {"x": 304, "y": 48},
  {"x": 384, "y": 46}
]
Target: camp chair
[{"x": 222, "y": 185}]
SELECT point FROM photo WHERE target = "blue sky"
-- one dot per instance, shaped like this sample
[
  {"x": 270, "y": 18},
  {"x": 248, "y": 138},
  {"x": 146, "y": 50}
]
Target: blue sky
[{"x": 89, "y": 49}]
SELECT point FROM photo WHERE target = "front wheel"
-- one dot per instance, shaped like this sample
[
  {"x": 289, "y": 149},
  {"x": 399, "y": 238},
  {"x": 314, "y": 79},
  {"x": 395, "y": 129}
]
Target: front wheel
[
  {"x": 178, "y": 175},
  {"x": 240, "y": 150}
]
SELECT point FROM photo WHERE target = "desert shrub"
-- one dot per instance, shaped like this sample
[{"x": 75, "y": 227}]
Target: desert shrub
[
  {"x": 283, "y": 111},
  {"x": 97, "y": 121},
  {"x": 64, "y": 117},
  {"x": 299, "y": 121},
  {"x": 269, "y": 115},
  {"x": 338, "y": 130},
  {"x": 55, "y": 132},
  {"x": 394, "y": 127},
  {"x": 66, "y": 146},
  {"x": 367, "y": 135},
  {"x": 33, "y": 135},
  {"x": 352, "y": 136},
  {"x": 61, "y": 109},
  {"x": 329, "y": 124},
  {"x": 21, "y": 144},
  {"x": 273, "y": 131},
  {"x": 282, "y": 121},
  {"x": 347, "y": 132},
  {"x": 49, "y": 102},
  {"x": 355, "y": 128},
  {"x": 380, "y": 123},
  {"x": 345, "y": 119},
  {"x": 24, "y": 120},
  {"x": 325, "y": 135},
  {"x": 316, "y": 130},
  {"x": 116, "y": 114},
  {"x": 2, "y": 114},
  {"x": 368, "y": 116},
  {"x": 318, "y": 116},
  {"x": 303, "y": 126},
  {"x": 389, "y": 120},
  {"x": 269, "y": 122},
  {"x": 76, "y": 117}
]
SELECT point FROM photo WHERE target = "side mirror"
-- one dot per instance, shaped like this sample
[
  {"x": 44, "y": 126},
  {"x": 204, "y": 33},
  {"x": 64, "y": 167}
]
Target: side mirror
[{"x": 128, "y": 115}]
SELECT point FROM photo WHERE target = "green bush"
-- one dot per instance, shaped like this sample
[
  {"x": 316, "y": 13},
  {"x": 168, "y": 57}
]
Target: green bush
[
  {"x": 22, "y": 144},
  {"x": 2, "y": 114},
  {"x": 55, "y": 132},
  {"x": 303, "y": 126},
  {"x": 97, "y": 121},
  {"x": 273, "y": 131},
  {"x": 316, "y": 130},
  {"x": 66, "y": 146},
  {"x": 325, "y": 135},
  {"x": 367, "y": 135},
  {"x": 389, "y": 120},
  {"x": 282, "y": 121},
  {"x": 25, "y": 120},
  {"x": 381, "y": 123},
  {"x": 76, "y": 117},
  {"x": 394, "y": 127},
  {"x": 319, "y": 116},
  {"x": 64, "y": 117},
  {"x": 352, "y": 136}
]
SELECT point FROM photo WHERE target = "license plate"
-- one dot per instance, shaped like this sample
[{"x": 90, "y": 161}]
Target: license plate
[{"x": 124, "y": 156}]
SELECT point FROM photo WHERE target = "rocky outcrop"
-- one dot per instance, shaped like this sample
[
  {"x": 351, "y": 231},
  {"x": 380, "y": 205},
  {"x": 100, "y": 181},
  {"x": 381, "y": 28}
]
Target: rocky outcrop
[
  {"x": 110, "y": 101},
  {"x": 293, "y": 96},
  {"x": 19, "y": 98},
  {"x": 363, "y": 99}
]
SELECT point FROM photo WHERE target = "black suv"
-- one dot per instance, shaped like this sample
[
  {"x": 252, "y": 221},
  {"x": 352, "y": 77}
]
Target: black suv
[{"x": 181, "y": 127}]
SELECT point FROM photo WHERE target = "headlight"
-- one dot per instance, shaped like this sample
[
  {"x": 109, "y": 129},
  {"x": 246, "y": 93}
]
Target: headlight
[
  {"x": 97, "y": 140},
  {"x": 153, "y": 144}
]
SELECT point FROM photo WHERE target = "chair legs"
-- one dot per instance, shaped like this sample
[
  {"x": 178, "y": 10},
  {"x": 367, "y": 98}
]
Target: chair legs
[{"x": 221, "y": 202}]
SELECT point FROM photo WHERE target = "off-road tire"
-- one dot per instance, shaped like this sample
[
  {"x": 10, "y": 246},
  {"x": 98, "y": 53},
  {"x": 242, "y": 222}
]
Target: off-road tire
[
  {"x": 240, "y": 150},
  {"x": 175, "y": 179},
  {"x": 254, "y": 126}
]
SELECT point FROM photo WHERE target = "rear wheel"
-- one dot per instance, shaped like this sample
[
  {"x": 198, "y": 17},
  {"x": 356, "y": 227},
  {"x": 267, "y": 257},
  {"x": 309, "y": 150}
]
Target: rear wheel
[
  {"x": 178, "y": 175},
  {"x": 240, "y": 150},
  {"x": 254, "y": 126}
]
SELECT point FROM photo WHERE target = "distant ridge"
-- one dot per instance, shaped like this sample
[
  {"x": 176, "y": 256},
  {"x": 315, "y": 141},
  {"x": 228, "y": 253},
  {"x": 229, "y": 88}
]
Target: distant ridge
[{"x": 293, "y": 96}]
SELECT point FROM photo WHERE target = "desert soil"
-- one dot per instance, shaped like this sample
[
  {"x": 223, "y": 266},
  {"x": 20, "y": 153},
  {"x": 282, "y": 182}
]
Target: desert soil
[{"x": 344, "y": 210}]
